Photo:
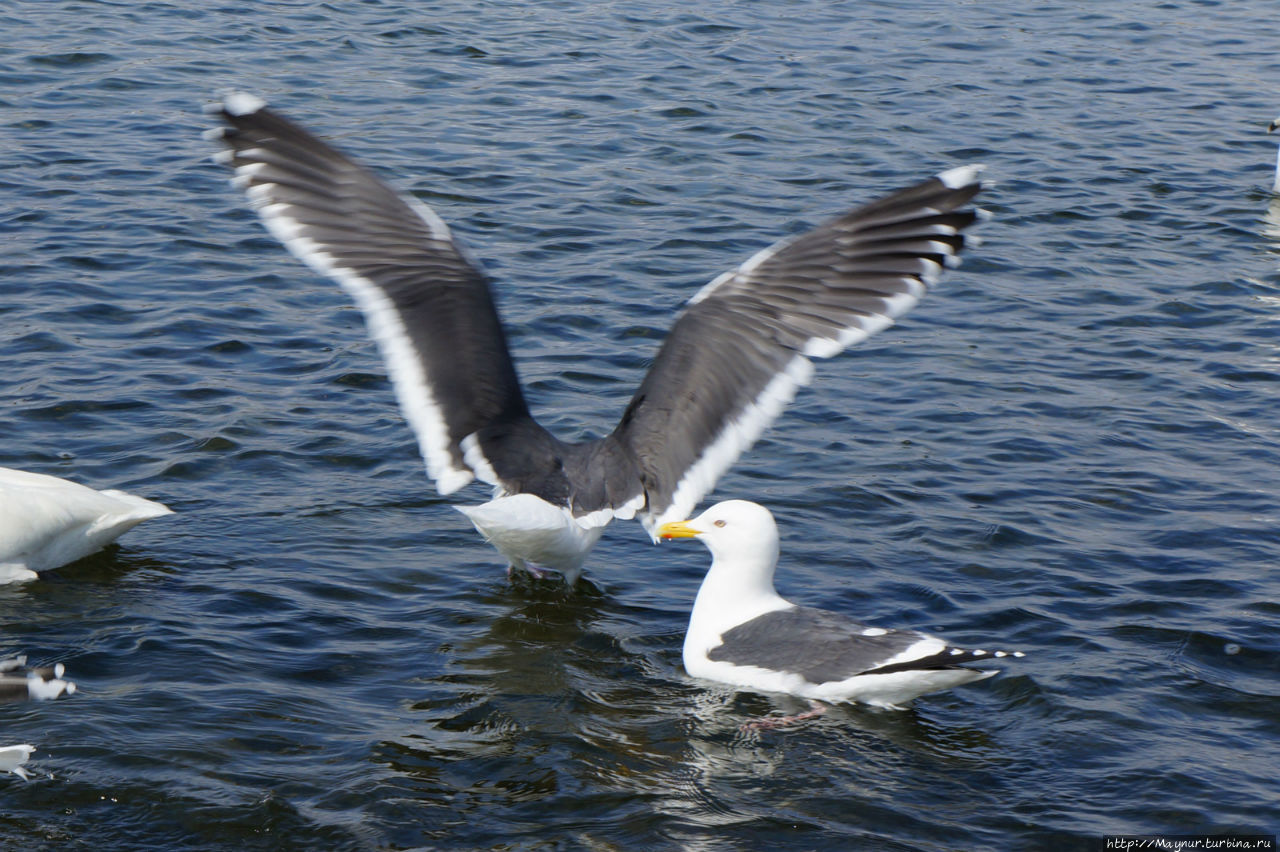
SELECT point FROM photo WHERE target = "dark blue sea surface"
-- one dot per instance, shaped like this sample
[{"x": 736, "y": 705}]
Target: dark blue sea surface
[{"x": 1070, "y": 448}]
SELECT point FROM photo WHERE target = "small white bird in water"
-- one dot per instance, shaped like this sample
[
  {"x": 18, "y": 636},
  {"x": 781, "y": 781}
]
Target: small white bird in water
[
  {"x": 12, "y": 757},
  {"x": 46, "y": 522},
  {"x": 743, "y": 633},
  {"x": 19, "y": 683}
]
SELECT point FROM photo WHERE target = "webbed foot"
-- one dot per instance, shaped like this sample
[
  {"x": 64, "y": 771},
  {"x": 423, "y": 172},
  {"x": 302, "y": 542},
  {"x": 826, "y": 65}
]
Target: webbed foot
[{"x": 815, "y": 710}]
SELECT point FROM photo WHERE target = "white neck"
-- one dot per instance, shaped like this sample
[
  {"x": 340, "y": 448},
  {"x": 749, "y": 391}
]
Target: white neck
[{"x": 731, "y": 594}]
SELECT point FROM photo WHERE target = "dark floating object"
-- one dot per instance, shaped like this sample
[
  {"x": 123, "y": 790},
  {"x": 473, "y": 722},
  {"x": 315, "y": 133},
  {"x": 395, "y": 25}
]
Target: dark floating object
[
  {"x": 742, "y": 632},
  {"x": 733, "y": 359},
  {"x": 19, "y": 683}
]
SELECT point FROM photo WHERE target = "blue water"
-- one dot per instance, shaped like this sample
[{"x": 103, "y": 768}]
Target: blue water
[{"x": 1070, "y": 448}]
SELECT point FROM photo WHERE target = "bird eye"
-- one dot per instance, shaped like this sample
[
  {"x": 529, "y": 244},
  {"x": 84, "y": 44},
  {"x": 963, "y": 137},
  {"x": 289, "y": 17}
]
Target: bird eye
[{"x": 720, "y": 523}]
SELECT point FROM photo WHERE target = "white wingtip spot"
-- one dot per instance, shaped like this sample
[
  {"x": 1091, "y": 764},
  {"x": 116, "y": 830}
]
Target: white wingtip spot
[
  {"x": 961, "y": 176},
  {"x": 249, "y": 171},
  {"x": 242, "y": 103},
  {"x": 931, "y": 272}
]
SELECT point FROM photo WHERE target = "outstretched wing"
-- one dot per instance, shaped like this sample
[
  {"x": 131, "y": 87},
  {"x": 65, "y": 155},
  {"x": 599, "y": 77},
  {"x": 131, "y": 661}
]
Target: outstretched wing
[
  {"x": 742, "y": 347},
  {"x": 429, "y": 308}
]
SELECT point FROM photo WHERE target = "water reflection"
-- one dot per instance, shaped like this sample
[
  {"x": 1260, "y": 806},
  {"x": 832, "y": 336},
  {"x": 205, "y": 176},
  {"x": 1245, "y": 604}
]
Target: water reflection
[{"x": 566, "y": 705}]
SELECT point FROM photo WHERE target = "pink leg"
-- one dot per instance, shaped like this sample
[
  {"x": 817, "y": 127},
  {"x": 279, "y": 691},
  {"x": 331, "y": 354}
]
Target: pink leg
[
  {"x": 769, "y": 722},
  {"x": 531, "y": 569}
]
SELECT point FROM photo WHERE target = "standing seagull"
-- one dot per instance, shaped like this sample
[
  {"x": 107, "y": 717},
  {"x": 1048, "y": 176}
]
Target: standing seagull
[
  {"x": 744, "y": 633},
  {"x": 733, "y": 359}
]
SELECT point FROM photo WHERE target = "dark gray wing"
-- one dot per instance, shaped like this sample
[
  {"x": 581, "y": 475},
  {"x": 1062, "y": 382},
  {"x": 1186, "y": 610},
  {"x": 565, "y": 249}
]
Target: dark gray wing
[
  {"x": 825, "y": 646},
  {"x": 429, "y": 309},
  {"x": 741, "y": 349}
]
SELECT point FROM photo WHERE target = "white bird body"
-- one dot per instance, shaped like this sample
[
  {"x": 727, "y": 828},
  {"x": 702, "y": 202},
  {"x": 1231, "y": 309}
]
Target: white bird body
[
  {"x": 12, "y": 757},
  {"x": 743, "y": 633},
  {"x": 46, "y": 522},
  {"x": 18, "y": 682},
  {"x": 530, "y": 532}
]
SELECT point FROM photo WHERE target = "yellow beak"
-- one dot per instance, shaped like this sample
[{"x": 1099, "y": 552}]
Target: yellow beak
[{"x": 678, "y": 529}]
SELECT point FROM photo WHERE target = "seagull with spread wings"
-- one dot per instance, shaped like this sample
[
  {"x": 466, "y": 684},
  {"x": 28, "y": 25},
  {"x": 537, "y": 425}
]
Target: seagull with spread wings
[{"x": 734, "y": 358}]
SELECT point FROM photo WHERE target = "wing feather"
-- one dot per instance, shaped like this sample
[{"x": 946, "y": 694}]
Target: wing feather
[
  {"x": 742, "y": 347},
  {"x": 428, "y": 307}
]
